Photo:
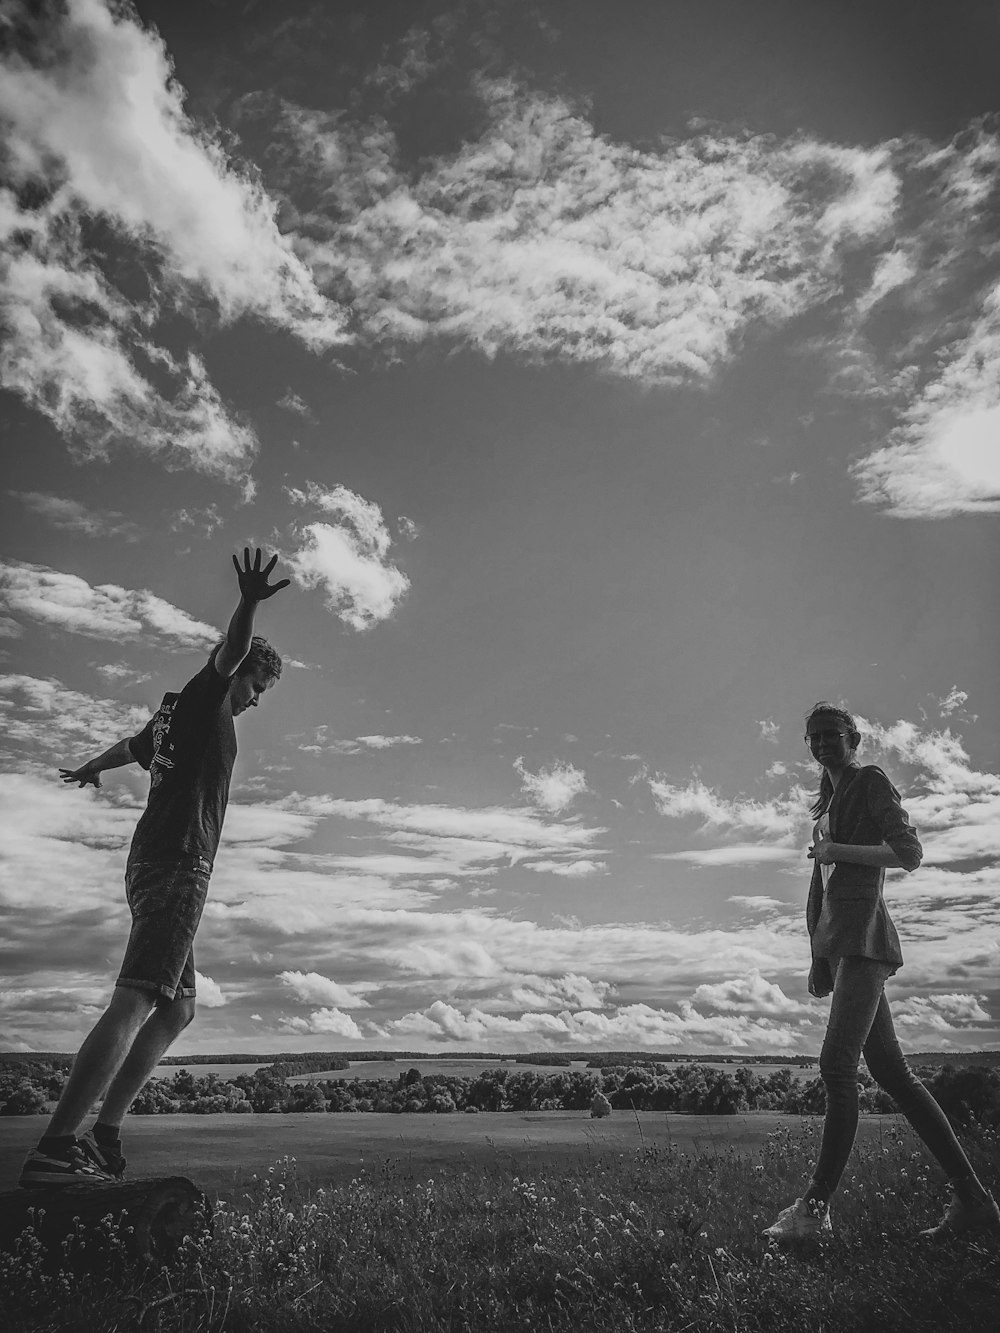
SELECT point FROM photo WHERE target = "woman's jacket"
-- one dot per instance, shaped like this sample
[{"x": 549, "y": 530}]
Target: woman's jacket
[{"x": 865, "y": 811}]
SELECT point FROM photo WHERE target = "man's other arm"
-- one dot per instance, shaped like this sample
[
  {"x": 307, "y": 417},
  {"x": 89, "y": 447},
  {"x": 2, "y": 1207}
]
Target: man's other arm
[{"x": 117, "y": 756}]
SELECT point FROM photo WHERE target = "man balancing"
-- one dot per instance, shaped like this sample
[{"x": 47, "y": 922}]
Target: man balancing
[{"x": 189, "y": 747}]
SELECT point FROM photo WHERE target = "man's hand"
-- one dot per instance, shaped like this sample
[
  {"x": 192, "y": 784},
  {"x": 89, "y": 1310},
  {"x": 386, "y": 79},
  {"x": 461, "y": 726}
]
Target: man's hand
[
  {"x": 85, "y": 775},
  {"x": 254, "y": 586}
]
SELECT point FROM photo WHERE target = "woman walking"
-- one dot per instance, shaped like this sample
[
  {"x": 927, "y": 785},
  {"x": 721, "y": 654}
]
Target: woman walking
[{"x": 861, "y": 828}]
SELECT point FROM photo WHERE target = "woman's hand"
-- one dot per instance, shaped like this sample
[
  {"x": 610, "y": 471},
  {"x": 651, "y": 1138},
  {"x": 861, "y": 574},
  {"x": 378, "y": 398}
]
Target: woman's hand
[{"x": 823, "y": 851}]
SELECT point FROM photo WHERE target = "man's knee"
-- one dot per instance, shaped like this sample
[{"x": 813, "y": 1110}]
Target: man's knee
[
  {"x": 179, "y": 1013},
  {"x": 130, "y": 1006}
]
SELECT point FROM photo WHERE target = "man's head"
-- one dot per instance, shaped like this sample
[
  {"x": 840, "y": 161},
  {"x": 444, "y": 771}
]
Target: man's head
[{"x": 257, "y": 672}]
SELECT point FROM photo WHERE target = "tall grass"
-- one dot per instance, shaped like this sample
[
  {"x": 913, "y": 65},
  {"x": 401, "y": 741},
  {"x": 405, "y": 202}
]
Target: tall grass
[{"x": 646, "y": 1240}]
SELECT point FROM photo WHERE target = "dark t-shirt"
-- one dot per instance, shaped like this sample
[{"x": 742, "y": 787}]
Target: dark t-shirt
[{"x": 189, "y": 748}]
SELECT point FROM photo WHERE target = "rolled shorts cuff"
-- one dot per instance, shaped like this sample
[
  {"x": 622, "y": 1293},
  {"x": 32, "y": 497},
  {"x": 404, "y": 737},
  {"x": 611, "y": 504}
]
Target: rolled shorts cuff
[{"x": 160, "y": 992}]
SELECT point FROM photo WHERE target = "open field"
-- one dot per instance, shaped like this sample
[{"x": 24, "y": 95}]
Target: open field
[
  {"x": 221, "y": 1153},
  {"x": 566, "y": 1226},
  {"x": 202, "y": 1071},
  {"x": 391, "y": 1069}
]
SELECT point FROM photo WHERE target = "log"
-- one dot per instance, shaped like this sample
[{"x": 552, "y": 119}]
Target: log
[{"x": 153, "y": 1215}]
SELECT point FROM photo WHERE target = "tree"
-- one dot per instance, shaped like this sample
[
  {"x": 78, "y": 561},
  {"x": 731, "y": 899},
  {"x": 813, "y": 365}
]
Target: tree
[
  {"x": 23, "y": 1098},
  {"x": 599, "y": 1106}
]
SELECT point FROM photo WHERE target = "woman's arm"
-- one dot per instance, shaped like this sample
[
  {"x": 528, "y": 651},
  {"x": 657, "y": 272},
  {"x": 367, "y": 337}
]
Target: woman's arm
[{"x": 831, "y": 853}]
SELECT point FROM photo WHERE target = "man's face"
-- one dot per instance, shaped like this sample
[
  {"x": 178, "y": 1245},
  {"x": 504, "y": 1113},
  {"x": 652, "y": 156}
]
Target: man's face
[
  {"x": 245, "y": 691},
  {"x": 829, "y": 740}
]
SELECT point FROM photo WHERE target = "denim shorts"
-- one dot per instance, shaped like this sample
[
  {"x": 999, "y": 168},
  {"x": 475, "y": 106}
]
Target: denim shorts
[{"x": 166, "y": 899}]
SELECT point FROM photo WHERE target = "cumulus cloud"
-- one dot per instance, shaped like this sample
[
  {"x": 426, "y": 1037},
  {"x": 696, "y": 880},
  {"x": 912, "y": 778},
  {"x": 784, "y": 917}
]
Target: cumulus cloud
[
  {"x": 955, "y": 806},
  {"x": 324, "y": 1022},
  {"x": 572, "y": 991},
  {"x": 313, "y": 988},
  {"x": 631, "y": 1027},
  {"x": 97, "y": 130},
  {"x": 349, "y": 558},
  {"x": 105, "y": 611},
  {"x": 941, "y": 1012},
  {"x": 554, "y": 788},
  {"x": 749, "y": 994},
  {"x": 210, "y": 993}
]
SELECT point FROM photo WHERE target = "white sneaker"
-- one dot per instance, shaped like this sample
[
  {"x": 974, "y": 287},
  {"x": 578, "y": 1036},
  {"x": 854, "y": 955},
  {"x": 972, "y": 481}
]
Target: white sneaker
[
  {"x": 801, "y": 1221},
  {"x": 966, "y": 1219}
]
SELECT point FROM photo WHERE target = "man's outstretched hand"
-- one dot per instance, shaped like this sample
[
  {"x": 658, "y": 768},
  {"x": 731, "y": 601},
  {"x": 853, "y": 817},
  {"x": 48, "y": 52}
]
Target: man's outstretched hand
[
  {"x": 254, "y": 586},
  {"x": 84, "y": 776}
]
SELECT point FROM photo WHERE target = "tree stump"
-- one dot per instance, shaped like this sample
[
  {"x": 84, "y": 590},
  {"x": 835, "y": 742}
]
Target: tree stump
[{"x": 152, "y": 1215}]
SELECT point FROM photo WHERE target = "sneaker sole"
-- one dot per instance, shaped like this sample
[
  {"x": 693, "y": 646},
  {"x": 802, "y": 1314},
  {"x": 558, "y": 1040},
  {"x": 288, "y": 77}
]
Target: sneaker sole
[{"x": 44, "y": 1180}]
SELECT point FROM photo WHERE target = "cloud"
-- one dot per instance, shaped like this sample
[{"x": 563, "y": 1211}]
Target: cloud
[
  {"x": 943, "y": 459},
  {"x": 559, "y": 992},
  {"x": 123, "y": 671},
  {"x": 210, "y": 993},
  {"x": 735, "y": 854},
  {"x": 953, "y": 701},
  {"x": 941, "y": 1012},
  {"x": 312, "y": 988},
  {"x": 49, "y": 719},
  {"x": 546, "y": 239},
  {"x": 96, "y": 130},
  {"x": 630, "y": 1027},
  {"x": 75, "y": 517},
  {"x": 779, "y": 820},
  {"x": 105, "y": 611},
  {"x": 291, "y": 402},
  {"x": 749, "y": 994},
  {"x": 324, "y": 1022},
  {"x": 554, "y": 788},
  {"x": 348, "y": 559},
  {"x": 386, "y": 742},
  {"x": 956, "y": 807},
  {"x": 582, "y": 869}
]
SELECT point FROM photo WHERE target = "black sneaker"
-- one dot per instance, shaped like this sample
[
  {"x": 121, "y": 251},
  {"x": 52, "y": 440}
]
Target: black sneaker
[
  {"x": 71, "y": 1167},
  {"x": 104, "y": 1158}
]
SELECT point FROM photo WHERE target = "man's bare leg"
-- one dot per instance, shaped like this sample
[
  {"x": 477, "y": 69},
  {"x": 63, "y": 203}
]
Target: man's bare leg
[
  {"x": 99, "y": 1058},
  {"x": 163, "y": 1026}
]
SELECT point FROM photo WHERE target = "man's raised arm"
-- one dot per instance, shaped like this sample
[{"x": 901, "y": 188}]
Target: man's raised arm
[
  {"x": 118, "y": 755},
  {"x": 254, "y": 588}
]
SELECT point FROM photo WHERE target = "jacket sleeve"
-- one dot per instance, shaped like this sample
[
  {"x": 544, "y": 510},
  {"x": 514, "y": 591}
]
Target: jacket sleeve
[{"x": 887, "y": 813}]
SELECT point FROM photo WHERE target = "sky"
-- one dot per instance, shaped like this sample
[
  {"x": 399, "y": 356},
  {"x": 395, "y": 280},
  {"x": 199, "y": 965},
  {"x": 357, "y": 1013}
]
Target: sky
[{"x": 613, "y": 383}]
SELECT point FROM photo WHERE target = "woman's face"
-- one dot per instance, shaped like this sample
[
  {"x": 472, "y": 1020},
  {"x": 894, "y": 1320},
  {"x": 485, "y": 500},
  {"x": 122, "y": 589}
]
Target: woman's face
[{"x": 829, "y": 740}]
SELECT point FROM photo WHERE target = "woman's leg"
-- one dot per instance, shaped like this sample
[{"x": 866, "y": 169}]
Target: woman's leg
[
  {"x": 888, "y": 1067},
  {"x": 857, "y": 992}
]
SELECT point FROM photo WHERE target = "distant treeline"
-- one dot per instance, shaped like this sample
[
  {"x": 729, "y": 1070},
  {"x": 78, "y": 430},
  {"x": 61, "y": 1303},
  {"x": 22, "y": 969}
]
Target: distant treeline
[{"x": 972, "y": 1092}]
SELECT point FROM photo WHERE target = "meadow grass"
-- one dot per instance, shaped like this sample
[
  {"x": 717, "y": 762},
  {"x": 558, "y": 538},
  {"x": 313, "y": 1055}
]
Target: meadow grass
[{"x": 654, "y": 1239}]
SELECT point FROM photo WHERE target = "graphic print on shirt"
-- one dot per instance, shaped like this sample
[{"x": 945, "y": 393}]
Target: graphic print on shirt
[{"x": 163, "y": 745}]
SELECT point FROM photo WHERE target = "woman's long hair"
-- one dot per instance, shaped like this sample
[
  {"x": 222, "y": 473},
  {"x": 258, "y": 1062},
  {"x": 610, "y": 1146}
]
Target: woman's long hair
[{"x": 825, "y": 794}]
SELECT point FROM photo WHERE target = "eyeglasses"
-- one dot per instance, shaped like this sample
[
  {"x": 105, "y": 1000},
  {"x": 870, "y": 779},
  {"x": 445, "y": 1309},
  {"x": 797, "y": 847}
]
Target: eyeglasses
[{"x": 812, "y": 737}]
